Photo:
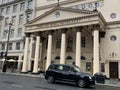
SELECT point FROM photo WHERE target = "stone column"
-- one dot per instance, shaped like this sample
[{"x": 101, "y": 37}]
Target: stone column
[
  {"x": 30, "y": 53},
  {"x": 37, "y": 50},
  {"x": 19, "y": 63},
  {"x": 96, "y": 63},
  {"x": 63, "y": 47},
  {"x": 25, "y": 60},
  {"x": 78, "y": 48},
  {"x": 49, "y": 50}
]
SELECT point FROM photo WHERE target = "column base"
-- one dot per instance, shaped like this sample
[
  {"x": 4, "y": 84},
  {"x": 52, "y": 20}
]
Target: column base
[
  {"x": 35, "y": 73},
  {"x": 24, "y": 72}
]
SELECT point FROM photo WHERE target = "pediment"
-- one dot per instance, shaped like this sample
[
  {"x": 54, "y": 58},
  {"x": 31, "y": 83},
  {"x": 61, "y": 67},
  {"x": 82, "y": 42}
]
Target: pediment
[{"x": 59, "y": 14}]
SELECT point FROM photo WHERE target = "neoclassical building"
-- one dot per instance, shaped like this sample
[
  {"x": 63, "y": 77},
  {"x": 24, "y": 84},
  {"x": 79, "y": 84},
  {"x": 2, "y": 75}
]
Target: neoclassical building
[
  {"x": 14, "y": 11},
  {"x": 81, "y": 32}
]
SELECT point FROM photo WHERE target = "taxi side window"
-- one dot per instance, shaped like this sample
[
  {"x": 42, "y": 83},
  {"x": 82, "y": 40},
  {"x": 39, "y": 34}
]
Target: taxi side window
[
  {"x": 66, "y": 68},
  {"x": 59, "y": 67}
]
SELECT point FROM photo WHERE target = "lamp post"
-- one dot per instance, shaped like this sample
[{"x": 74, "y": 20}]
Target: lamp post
[
  {"x": 6, "y": 52},
  {"x": 1, "y": 18}
]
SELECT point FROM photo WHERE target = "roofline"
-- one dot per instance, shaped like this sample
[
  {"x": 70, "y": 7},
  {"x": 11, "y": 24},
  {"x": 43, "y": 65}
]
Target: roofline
[
  {"x": 12, "y": 2},
  {"x": 61, "y": 3},
  {"x": 62, "y": 8},
  {"x": 55, "y": 4}
]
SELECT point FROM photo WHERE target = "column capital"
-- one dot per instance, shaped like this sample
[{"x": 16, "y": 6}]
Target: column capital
[
  {"x": 64, "y": 30},
  {"x": 37, "y": 33},
  {"x": 50, "y": 32},
  {"x": 96, "y": 27},
  {"x": 79, "y": 29},
  {"x": 31, "y": 35},
  {"x": 27, "y": 34}
]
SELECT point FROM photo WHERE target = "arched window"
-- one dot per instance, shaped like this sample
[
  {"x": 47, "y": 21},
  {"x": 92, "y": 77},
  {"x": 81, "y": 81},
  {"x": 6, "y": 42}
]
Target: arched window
[
  {"x": 57, "y": 57},
  {"x": 82, "y": 58},
  {"x": 69, "y": 58}
]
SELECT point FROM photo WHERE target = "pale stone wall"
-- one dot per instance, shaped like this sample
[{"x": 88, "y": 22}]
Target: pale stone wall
[
  {"x": 111, "y": 6},
  {"x": 107, "y": 47}
]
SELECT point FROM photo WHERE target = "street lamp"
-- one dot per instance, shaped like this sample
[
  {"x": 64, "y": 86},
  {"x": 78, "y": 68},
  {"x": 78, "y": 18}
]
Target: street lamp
[{"x": 6, "y": 52}]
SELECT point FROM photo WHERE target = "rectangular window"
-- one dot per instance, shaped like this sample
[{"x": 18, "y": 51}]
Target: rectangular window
[
  {"x": 3, "y": 1},
  {"x": 15, "y": 8},
  {"x": 5, "y": 34},
  {"x": 3, "y": 46},
  {"x": 83, "y": 42},
  {"x": 22, "y": 6},
  {"x": 8, "y": 0},
  {"x": 10, "y": 46},
  {"x": 21, "y": 19},
  {"x": 69, "y": 44},
  {"x": 11, "y": 33},
  {"x": 2, "y": 11},
  {"x": 13, "y": 20},
  {"x": 30, "y": 4},
  {"x": 8, "y": 10},
  {"x": 19, "y": 32},
  {"x": 58, "y": 43},
  {"x": 29, "y": 16},
  {"x": 6, "y": 21},
  {"x": 18, "y": 46}
]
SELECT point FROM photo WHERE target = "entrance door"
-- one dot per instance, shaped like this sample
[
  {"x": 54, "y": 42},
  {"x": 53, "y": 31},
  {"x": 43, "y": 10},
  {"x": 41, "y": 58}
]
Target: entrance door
[
  {"x": 113, "y": 69},
  {"x": 32, "y": 65}
]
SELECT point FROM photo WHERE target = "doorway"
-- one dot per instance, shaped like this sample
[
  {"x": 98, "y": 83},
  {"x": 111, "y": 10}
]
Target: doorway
[
  {"x": 113, "y": 69},
  {"x": 32, "y": 65}
]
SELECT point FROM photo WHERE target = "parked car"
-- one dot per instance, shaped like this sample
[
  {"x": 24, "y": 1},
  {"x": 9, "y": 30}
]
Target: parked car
[{"x": 68, "y": 73}]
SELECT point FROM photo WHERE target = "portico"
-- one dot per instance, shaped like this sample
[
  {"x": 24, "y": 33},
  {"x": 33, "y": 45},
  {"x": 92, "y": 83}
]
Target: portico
[{"x": 67, "y": 26}]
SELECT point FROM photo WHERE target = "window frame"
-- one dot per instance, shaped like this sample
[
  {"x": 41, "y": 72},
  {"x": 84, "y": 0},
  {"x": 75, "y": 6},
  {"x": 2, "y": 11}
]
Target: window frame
[
  {"x": 30, "y": 4},
  {"x": 10, "y": 46},
  {"x": 8, "y": 10},
  {"x": 22, "y": 6},
  {"x": 15, "y": 8},
  {"x": 17, "y": 45},
  {"x": 3, "y": 46},
  {"x": 21, "y": 18}
]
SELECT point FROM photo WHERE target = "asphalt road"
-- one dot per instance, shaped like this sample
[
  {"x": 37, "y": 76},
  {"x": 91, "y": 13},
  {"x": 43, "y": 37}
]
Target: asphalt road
[{"x": 12, "y": 82}]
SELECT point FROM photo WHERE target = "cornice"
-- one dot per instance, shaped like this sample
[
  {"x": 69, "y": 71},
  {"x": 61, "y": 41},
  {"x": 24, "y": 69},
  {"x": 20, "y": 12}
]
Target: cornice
[
  {"x": 113, "y": 22},
  {"x": 61, "y": 22},
  {"x": 55, "y": 4},
  {"x": 12, "y": 2}
]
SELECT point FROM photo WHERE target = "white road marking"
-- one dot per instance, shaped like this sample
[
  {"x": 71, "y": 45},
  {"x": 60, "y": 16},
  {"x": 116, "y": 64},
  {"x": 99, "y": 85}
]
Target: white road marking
[{"x": 15, "y": 85}]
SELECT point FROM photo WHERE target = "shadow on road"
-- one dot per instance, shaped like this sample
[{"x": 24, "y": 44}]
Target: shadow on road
[{"x": 73, "y": 85}]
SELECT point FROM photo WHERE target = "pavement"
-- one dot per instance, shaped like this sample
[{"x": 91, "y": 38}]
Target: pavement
[{"x": 108, "y": 82}]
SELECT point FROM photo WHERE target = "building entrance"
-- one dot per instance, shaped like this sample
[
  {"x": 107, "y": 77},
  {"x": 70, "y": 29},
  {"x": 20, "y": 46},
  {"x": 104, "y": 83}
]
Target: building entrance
[{"x": 113, "y": 69}]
